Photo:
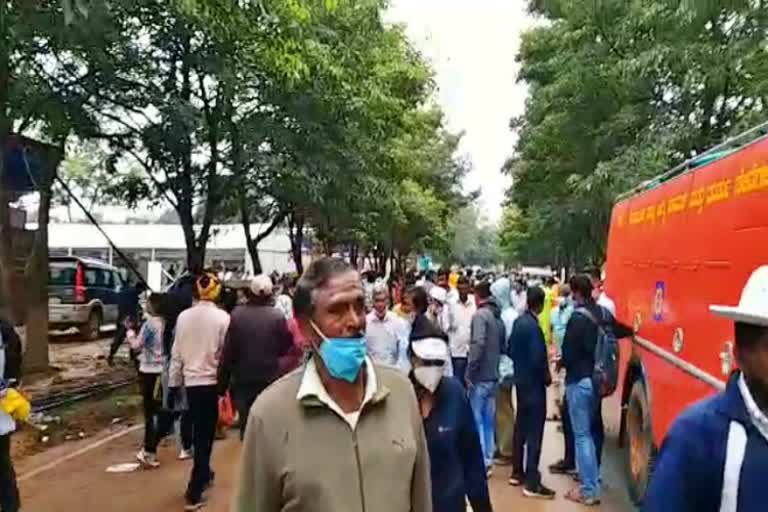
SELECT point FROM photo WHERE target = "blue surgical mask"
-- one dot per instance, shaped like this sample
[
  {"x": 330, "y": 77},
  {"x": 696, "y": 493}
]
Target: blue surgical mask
[{"x": 343, "y": 357}]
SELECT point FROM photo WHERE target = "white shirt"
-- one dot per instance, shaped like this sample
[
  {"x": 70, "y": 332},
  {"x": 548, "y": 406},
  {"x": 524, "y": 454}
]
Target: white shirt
[
  {"x": 200, "y": 333},
  {"x": 387, "y": 339},
  {"x": 607, "y": 303},
  {"x": 460, "y": 330},
  {"x": 311, "y": 385},
  {"x": 758, "y": 417}
]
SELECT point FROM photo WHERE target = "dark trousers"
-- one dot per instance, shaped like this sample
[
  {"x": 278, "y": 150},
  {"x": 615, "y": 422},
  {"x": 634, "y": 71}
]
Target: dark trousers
[
  {"x": 204, "y": 412},
  {"x": 9, "y": 491},
  {"x": 460, "y": 369},
  {"x": 186, "y": 428},
  {"x": 531, "y": 416},
  {"x": 597, "y": 428},
  {"x": 244, "y": 395},
  {"x": 120, "y": 332},
  {"x": 152, "y": 411},
  {"x": 158, "y": 422}
]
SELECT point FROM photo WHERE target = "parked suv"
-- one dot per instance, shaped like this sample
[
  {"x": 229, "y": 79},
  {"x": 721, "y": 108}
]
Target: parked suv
[{"x": 82, "y": 293}]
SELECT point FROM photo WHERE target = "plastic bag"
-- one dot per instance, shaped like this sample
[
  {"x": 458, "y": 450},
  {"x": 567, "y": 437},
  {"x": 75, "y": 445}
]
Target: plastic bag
[
  {"x": 226, "y": 411},
  {"x": 15, "y": 405}
]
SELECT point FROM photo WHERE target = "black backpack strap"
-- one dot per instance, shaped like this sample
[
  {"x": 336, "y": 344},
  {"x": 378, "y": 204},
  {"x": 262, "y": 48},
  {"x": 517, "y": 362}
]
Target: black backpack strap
[{"x": 587, "y": 313}]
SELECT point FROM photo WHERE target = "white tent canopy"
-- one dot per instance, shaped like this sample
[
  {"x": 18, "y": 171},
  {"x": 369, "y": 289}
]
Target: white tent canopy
[
  {"x": 158, "y": 236},
  {"x": 165, "y": 242}
]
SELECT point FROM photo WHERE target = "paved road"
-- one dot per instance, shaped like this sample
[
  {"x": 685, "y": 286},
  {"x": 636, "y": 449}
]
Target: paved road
[{"x": 81, "y": 483}]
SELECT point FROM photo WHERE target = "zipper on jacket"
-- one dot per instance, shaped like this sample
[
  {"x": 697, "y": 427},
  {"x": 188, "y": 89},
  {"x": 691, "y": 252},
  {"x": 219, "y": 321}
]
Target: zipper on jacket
[{"x": 359, "y": 470}]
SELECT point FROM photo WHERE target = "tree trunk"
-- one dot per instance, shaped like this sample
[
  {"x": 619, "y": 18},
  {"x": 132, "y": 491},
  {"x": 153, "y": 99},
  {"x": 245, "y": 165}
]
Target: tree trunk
[
  {"x": 383, "y": 264},
  {"x": 36, "y": 274},
  {"x": 6, "y": 251},
  {"x": 253, "y": 249},
  {"x": 374, "y": 262},
  {"x": 296, "y": 235},
  {"x": 354, "y": 254}
]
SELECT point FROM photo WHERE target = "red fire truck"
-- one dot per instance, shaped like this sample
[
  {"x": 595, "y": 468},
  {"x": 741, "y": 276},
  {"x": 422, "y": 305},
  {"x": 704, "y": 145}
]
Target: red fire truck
[{"x": 679, "y": 243}]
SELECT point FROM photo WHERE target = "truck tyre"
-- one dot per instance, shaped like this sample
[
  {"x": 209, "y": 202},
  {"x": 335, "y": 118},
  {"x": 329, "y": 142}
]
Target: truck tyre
[
  {"x": 92, "y": 329},
  {"x": 640, "y": 451}
]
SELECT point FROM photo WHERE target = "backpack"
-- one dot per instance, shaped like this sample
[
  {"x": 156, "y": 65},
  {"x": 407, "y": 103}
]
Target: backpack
[{"x": 605, "y": 376}]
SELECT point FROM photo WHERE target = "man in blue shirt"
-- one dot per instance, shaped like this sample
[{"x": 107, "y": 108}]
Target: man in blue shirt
[
  {"x": 528, "y": 351},
  {"x": 715, "y": 456}
]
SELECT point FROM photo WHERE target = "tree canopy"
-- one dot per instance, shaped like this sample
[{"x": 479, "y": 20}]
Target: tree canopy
[
  {"x": 315, "y": 116},
  {"x": 619, "y": 92}
]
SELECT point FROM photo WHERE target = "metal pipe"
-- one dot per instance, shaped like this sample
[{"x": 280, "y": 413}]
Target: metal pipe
[
  {"x": 682, "y": 364},
  {"x": 685, "y": 166}
]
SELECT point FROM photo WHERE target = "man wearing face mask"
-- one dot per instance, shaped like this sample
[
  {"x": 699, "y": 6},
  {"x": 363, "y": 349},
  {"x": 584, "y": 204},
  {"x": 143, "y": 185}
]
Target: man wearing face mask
[
  {"x": 458, "y": 468},
  {"x": 340, "y": 433}
]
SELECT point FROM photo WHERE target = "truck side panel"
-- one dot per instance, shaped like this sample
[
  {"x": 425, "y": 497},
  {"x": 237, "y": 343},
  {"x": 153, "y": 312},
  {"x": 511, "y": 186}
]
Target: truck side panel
[{"x": 675, "y": 250}]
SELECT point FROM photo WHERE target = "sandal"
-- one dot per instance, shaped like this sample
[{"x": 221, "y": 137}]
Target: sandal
[{"x": 576, "y": 496}]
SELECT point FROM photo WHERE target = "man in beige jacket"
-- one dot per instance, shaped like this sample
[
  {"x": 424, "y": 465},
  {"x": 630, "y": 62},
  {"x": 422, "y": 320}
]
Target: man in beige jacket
[{"x": 339, "y": 434}]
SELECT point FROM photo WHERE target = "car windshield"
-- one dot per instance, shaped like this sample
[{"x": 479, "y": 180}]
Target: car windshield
[{"x": 61, "y": 274}]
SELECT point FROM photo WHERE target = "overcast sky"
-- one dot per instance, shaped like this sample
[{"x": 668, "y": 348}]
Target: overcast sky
[{"x": 472, "y": 44}]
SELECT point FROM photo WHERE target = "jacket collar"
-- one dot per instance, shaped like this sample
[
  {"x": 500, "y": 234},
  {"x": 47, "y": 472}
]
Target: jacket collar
[
  {"x": 756, "y": 416},
  {"x": 732, "y": 402},
  {"x": 312, "y": 393}
]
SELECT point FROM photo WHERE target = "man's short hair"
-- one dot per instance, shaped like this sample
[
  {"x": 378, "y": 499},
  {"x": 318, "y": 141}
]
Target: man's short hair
[
  {"x": 594, "y": 273},
  {"x": 535, "y": 297},
  {"x": 463, "y": 280},
  {"x": 380, "y": 289},
  {"x": 443, "y": 271},
  {"x": 581, "y": 284},
  {"x": 420, "y": 299},
  {"x": 316, "y": 276},
  {"x": 483, "y": 289}
]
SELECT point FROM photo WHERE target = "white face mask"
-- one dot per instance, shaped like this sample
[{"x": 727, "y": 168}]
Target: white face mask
[{"x": 428, "y": 376}]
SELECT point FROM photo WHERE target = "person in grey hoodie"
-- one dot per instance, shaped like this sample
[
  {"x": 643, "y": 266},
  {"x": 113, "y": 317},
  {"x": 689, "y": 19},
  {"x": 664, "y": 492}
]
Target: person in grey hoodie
[{"x": 486, "y": 345}]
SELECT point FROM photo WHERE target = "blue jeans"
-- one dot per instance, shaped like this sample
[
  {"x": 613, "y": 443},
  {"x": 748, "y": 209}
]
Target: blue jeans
[
  {"x": 482, "y": 399},
  {"x": 581, "y": 407}
]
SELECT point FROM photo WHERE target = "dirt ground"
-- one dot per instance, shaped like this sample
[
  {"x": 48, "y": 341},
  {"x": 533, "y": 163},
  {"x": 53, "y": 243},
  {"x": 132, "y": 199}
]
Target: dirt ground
[
  {"x": 74, "y": 365},
  {"x": 68, "y": 470},
  {"x": 81, "y": 482}
]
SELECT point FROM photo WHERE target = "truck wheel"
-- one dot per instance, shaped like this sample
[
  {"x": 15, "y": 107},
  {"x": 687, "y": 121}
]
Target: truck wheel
[
  {"x": 92, "y": 329},
  {"x": 640, "y": 450}
]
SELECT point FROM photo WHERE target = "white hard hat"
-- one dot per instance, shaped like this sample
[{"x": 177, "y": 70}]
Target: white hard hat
[
  {"x": 432, "y": 349},
  {"x": 753, "y": 306},
  {"x": 261, "y": 285},
  {"x": 438, "y": 294}
]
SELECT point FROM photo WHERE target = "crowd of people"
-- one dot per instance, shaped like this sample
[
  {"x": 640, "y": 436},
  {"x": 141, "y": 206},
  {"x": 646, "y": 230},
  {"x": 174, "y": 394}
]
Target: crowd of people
[
  {"x": 407, "y": 394},
  {"x": 430, "y": 359}
]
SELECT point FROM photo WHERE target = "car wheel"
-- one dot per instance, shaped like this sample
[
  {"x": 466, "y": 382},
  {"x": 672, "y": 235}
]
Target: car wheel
[
  {"x": 92, "y": 329},
  {"x": 640, "y": 450}
]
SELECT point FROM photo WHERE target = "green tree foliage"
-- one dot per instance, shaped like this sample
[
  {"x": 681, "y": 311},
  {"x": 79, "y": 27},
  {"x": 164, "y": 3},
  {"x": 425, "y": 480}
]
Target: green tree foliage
[
  {"x": 619, "y": 91},
  {"x": 474, "y": 240},
  {"x": 49, "y": 68}
]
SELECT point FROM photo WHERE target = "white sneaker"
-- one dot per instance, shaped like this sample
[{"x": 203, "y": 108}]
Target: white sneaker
[
  {"x": 186, "y": 454},
  {"x": 148, "y": 460}
]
